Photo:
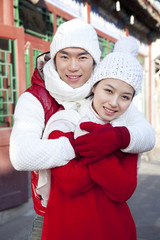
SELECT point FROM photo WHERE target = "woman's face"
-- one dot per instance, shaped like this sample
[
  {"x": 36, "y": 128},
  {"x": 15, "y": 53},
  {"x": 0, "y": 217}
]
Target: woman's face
[
  {"x": 111, "y": 99},
  {"x": 74, "y": 66}
]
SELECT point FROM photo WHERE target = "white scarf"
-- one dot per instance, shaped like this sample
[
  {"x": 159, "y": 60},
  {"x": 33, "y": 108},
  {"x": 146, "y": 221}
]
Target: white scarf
[{"x": 70, "y": 98}]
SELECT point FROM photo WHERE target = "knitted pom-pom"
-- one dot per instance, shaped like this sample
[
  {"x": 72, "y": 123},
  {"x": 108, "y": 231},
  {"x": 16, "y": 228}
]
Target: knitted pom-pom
[{"x": 127, "y": 45}]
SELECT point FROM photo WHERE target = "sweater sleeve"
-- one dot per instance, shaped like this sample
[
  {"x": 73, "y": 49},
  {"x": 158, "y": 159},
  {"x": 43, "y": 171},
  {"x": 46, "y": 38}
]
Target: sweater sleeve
[
  {"x": 27, "y": 150},
  {"x": 116, "y": 175},
  {"x": 141, "y": 132},
  {"x": 74, "y": 177}
]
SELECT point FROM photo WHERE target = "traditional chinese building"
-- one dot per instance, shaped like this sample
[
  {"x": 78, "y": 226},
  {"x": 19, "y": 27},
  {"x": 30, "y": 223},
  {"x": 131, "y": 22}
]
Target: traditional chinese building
[{"x": 26, "y": 30}]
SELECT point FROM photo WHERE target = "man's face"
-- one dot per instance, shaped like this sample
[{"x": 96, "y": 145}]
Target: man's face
[{"x": 74, "y": 66}]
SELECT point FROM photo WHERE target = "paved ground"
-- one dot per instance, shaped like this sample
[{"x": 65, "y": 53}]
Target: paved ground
[
  {"x": 19, "y": 227},
  {"x": 144, "y": 205}
]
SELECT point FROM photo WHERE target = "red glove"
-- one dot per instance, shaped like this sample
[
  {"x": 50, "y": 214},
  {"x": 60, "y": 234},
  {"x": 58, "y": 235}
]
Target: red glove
[{"x": 101, "y": 141}]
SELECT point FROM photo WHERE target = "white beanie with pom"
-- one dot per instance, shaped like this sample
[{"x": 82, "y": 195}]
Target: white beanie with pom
[
  {"x": 76, "y": 33},
  {"x": 121, "y": 64}
]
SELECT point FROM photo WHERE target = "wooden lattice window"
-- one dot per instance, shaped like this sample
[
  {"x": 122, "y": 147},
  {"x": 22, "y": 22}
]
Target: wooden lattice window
[
  {"x": 36, "y": 53},
  {"x": 106, "y": 46},
  {"x": 8, "y": 83},
  {"x": 35, "y": 19},
  {"x": 60, "y": 20}
]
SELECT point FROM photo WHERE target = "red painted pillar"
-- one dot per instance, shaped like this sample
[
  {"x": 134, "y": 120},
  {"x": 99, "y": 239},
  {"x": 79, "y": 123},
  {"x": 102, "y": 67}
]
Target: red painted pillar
[
  {"x": 6, "y": 12},
  {"x": 55, "y": 23},
  {"x": 126, "y": 31},
  {"x": 88, "y": 12}
]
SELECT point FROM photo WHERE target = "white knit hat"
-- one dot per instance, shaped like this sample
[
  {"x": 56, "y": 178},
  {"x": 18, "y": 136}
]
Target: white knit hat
[
  {"x": 76, "y": 33},
  {"x": 122, "y": 64}
]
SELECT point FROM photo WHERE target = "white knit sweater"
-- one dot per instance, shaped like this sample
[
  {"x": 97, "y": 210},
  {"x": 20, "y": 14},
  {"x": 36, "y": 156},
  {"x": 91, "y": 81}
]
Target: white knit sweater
[{"x": 29, "y": 152}]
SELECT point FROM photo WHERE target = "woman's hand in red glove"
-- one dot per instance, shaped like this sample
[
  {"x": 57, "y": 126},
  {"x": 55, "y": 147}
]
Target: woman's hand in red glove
[{"x": 101, "y": 141}]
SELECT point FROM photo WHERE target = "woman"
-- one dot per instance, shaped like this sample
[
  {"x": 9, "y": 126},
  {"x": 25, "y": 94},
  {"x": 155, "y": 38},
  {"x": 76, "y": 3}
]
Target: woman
[{"x": 88, "y": 198}]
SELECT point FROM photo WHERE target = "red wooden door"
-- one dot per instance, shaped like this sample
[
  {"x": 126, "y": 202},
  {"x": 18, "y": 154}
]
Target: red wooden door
[{"x": 13, "y": 184}]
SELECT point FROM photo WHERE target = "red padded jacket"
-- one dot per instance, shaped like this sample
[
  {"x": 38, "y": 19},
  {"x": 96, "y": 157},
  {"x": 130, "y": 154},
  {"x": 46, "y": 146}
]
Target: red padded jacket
[{"x": 50, "y": 107}]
